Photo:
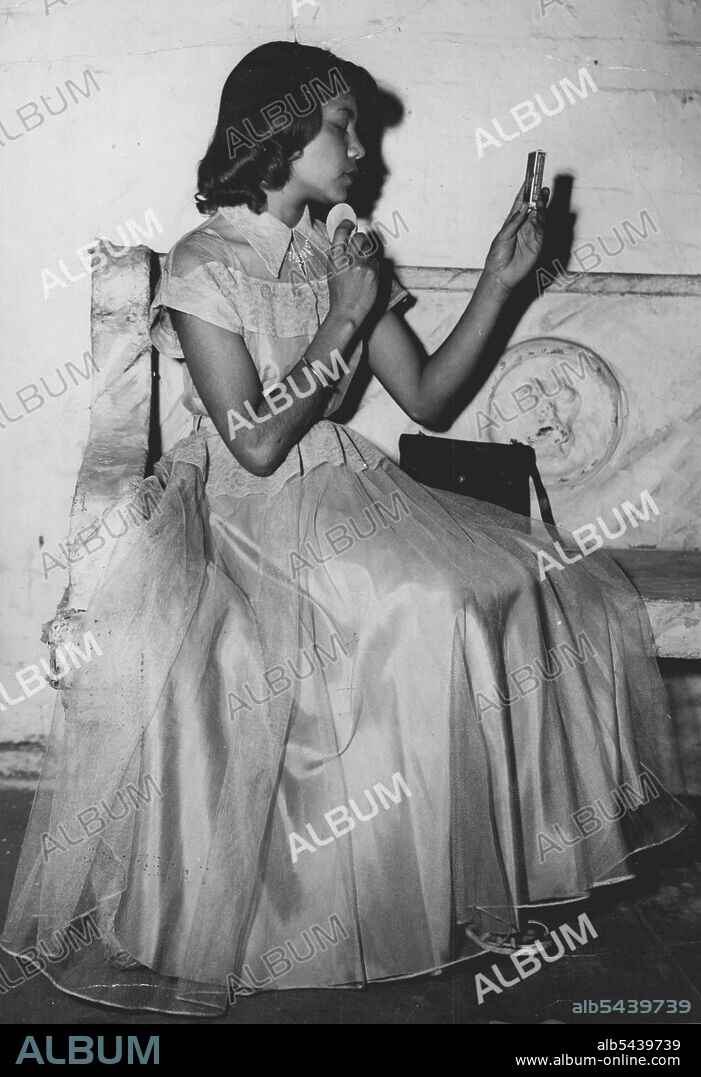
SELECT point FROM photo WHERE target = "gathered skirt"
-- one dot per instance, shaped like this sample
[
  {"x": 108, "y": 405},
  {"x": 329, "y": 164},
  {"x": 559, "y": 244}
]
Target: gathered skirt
[{"x": 340, "y": 728}]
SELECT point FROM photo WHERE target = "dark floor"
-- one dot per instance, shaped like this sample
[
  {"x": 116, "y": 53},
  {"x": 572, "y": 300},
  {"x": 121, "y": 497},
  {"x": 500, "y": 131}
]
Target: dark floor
[{"x": 648, "y": 947}]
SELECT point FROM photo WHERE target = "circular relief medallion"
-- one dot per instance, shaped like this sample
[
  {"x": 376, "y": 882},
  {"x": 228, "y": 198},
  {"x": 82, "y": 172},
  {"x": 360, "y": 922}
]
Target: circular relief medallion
[{"x": 561, "y": 398}]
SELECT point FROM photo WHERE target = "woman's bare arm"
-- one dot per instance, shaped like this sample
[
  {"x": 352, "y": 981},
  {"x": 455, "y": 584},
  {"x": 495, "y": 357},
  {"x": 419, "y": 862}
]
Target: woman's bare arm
[
  {"x": 257, "y": 435},
  {"x": 424, "y": 386}
]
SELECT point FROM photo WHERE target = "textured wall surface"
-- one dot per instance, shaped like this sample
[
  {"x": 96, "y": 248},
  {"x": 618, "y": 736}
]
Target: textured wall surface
[{"x": 128, "y": 137}]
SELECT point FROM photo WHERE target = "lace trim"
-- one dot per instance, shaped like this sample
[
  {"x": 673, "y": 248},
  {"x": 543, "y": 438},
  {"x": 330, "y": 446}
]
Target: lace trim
[{"x": 325, "y": 443}]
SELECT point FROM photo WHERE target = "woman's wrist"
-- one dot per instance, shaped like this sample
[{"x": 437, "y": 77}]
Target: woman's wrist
[
  {"x": 492, "y": 284},
  {"x": 318, "y": 377},
  {"x": 343, "y": 322}
]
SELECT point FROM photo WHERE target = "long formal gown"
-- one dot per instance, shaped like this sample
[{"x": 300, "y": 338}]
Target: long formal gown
[{"x": 340, "y": 729}]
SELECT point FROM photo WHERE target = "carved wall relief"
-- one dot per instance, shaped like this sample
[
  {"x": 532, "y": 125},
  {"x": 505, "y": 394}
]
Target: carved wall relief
[{"x": 563, "y": 399}]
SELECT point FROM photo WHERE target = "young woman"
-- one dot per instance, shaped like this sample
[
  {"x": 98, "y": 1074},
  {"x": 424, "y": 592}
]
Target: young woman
[{"x": 341, "y": 731}]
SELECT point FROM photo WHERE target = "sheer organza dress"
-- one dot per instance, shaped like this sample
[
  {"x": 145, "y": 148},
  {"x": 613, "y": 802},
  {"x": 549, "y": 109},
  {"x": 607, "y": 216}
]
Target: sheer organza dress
[{"x": 341, "y": 729}]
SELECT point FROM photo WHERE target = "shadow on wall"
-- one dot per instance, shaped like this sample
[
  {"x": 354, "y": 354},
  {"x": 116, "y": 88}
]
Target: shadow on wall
[{"x": 557, "y": 249}]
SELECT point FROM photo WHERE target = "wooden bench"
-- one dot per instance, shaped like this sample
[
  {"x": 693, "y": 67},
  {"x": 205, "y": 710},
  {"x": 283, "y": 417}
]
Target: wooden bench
[
  {"x": 136, "y": 413},
  {"x": 670, "y": 584}
]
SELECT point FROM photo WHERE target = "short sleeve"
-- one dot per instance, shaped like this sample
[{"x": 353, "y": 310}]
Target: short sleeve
[{"x": 191, "y": 283}]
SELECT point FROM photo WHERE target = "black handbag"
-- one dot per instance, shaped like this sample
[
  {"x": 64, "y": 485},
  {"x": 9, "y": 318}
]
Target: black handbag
[{"x": 499, "y": 474}]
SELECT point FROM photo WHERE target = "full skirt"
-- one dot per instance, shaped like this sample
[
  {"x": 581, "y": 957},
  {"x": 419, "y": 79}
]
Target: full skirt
[{"x": 338, "y": 731}]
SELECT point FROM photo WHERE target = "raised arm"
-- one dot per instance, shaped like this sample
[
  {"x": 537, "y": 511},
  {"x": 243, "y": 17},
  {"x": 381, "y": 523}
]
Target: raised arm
[
  {"x": 227, "y": 381},
  {"x": 424, "y": 387}
]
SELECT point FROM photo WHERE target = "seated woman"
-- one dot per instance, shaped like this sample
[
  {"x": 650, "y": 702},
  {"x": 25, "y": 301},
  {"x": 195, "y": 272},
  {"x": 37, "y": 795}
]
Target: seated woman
[{"x": 301, "y": 760}]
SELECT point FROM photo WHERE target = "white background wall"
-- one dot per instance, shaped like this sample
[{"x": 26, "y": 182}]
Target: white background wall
[{"x": 134, "y": 145}]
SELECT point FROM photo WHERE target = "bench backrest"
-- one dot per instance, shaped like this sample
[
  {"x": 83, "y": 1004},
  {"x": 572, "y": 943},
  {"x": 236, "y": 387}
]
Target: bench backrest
[{"x": 600, "y": 377}]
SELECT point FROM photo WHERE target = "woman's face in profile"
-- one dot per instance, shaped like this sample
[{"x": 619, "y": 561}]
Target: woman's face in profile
[{"x": 325, "y": 170}]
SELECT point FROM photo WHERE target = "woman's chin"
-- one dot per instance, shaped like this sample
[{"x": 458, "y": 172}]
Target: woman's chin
[{"x": 339, "y": 192}]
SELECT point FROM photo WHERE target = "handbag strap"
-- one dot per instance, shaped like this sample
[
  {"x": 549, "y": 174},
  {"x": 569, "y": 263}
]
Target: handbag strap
[{"x": 546, "y": 512}]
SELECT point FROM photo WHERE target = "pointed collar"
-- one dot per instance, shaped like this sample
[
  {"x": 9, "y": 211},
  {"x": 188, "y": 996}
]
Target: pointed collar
[{"x": 268, "y": 236}]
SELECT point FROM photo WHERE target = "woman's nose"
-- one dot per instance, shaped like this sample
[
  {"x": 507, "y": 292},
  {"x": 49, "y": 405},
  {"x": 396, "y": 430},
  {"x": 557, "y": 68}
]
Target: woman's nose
[{"x": 356, "y": 150}]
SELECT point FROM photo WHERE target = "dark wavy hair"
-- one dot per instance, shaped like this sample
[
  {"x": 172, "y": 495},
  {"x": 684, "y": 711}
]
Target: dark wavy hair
[{"x": 290, "y": 82}]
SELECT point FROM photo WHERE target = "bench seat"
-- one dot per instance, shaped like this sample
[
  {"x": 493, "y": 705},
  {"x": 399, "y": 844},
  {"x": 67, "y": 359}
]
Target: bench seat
[{"x": 669, "y": 581}]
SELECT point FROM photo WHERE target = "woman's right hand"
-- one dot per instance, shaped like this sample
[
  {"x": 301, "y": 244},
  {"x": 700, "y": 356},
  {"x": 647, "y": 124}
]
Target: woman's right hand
[{"x": 353, "y": 270}]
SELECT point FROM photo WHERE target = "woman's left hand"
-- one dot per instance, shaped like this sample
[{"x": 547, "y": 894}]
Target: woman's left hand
[{"x": 517, "y": 245}]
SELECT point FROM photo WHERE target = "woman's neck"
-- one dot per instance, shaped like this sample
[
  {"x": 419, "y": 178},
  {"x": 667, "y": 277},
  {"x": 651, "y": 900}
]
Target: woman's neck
[{"x": 286, "y": 207}]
